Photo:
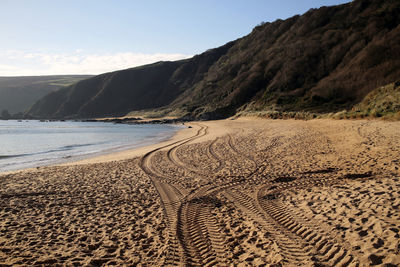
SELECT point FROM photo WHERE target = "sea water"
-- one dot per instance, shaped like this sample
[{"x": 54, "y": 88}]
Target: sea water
[{"x": 32, "y": 143}]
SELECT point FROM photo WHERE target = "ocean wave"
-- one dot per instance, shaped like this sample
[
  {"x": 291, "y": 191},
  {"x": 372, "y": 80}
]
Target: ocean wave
[
  {"x": 10, "y": 156},
  {"x": 66, "y": 148},
  {"x": 60, "y": 149}
]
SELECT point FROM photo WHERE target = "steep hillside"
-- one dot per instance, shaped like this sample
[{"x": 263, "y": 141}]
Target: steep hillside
[
  {"x": 117, "y": 93},
  {"x": 326, "y": 60},
  {"x": 17, "y": 94}
]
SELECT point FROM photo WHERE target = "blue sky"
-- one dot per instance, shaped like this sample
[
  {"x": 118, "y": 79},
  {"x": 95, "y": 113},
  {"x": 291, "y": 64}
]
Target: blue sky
[{"x": 40, "y": 37}]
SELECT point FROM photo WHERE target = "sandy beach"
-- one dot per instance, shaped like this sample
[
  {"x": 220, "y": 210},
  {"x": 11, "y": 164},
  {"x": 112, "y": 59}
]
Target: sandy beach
[{"x": 243, "y": 192}]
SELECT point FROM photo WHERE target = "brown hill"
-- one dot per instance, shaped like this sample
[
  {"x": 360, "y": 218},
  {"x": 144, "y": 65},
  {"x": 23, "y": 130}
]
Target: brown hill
[{"x": 326, "y": 60}]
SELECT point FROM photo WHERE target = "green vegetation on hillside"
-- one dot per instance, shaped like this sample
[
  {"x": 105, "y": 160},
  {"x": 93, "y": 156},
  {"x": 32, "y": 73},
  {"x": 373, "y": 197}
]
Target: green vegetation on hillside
[
  {"x": 382, "y": 102},
  {"x": 324, "y": 61}
]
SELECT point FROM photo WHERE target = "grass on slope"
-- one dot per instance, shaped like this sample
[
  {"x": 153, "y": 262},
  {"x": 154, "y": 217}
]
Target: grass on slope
[{"x": 382, "y": 102}]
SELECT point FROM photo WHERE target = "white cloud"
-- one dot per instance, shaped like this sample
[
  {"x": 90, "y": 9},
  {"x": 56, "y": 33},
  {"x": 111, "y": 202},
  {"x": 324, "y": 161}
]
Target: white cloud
[{"x": 20, "y": 63}]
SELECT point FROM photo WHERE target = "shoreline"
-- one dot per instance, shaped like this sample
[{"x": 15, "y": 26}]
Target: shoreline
[
  {"x": 130, "y": 153},
  {"x": 106, "y": 156},
  {"x": 191, "y": 128}
]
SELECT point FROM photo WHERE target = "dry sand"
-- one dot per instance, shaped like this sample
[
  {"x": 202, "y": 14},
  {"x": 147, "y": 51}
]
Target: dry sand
[{"x": 246, "y": 192}]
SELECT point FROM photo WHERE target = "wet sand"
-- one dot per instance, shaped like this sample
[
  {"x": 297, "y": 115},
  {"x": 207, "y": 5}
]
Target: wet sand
[{"x": 245, "y": 192}]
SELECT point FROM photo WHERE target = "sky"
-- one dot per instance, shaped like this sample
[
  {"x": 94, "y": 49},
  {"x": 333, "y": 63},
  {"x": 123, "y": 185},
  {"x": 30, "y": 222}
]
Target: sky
[{"x": 48, "y": 37}]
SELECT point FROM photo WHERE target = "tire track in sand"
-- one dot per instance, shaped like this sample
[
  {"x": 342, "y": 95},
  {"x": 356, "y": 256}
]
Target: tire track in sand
[
  {"x": 200, "y": 235},
  {"x": 171, "y": 198},
  {"x": 174, "y": 158},
  {"x": 326, "y": 250},
  {"x": 197, "y": 230}
]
